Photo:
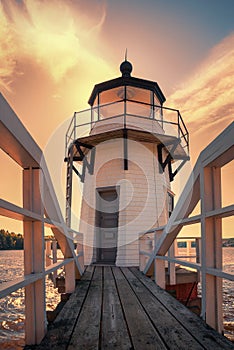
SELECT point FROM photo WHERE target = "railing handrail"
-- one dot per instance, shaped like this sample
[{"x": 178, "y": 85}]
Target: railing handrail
[
  {"x": 196, "y": 266},
  {"x": 179, "y": 123},
  {"x": 11, "y": 286},
  {"x": 222, "y": 212}
]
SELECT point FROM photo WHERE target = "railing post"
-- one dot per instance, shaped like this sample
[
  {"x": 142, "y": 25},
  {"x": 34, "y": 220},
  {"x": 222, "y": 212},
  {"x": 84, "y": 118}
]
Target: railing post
[
  {"x": 141, "y": 256},
  {"x": 74, "y": 126},
  {"x": 198, "y": 250},
  {"x": 178, "y": 123},
  {"x": 211, "y": 228},
  {"x": 35, "y": 314},
  {"x": 48, "y": 252},
  {"x": 145, "y": 244},
  {"x": 98, "y": 109},
  {"x": 189, "y": 249},
  {"x": 171, "y": 265},
  {"x": 159, "y": 265},
  {"x": 80, "y": 250},
  {"x": 70, "y": 277},
  {"x": 92, "y": 117},
  {"x": 54, "y": 255},
  {"x": 161, "y": 115}
]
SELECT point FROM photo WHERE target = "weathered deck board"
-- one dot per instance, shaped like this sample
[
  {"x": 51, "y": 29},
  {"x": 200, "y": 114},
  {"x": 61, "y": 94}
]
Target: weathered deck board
[
  {"x": 208, "y": 337},
  {"x": 143, "y": 334},
  {"x": 114, "y": 329},
  {"x": 173, "y": 333},
  {"x": 120, "y": 308},
  {"x": 58, "y": 336},
  {"x": 86, "y": 332}
]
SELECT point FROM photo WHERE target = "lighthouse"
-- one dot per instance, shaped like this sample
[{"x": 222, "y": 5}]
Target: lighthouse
[{"x": 125, "y": 150}]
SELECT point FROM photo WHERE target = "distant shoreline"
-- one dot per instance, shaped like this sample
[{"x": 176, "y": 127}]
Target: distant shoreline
[
  {"x": 13, "y": 241},
  {"x": 12, "y": 249}
]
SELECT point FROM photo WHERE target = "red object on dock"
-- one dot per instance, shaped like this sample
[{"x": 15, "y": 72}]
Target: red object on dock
[{"x": 183, "y": 291}]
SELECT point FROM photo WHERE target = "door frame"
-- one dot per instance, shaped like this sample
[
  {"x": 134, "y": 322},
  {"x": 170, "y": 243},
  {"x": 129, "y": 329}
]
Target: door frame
[{"x": 97, "y": 218}]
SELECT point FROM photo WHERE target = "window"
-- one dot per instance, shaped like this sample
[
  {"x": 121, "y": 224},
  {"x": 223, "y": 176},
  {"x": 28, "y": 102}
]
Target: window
[{"x": 170, "y": 200}]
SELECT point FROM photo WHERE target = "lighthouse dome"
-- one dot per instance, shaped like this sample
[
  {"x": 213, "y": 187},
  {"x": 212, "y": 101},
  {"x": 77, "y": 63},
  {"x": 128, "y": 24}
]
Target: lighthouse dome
[{"x": 126, "y": 69}]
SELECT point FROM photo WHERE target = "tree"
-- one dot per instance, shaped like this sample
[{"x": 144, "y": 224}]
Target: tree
[{"x": 10, "y": 240}]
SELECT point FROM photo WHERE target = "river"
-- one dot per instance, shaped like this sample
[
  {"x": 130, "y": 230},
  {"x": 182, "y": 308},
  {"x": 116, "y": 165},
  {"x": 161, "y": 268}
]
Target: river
[{"x": 12, "y": 307}]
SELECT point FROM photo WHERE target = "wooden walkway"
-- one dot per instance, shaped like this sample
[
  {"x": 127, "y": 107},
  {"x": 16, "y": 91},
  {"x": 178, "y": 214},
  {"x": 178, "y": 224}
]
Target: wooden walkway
[{"x": 120, "y": 308}]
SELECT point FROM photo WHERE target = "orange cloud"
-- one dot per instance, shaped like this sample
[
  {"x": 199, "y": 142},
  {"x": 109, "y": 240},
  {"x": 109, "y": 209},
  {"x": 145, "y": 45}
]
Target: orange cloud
[
  {"x": 53, "y": 34},
  {"x": 7, "y": 51},
  {"x": 51, "y": 56},
  {"x": 207, "y": 107},
  {"x": 206, "y": 99}
]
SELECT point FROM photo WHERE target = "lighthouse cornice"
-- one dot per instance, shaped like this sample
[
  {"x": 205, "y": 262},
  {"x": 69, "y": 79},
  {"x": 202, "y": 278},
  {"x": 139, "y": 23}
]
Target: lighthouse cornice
[{"x": 127, "y": 81}]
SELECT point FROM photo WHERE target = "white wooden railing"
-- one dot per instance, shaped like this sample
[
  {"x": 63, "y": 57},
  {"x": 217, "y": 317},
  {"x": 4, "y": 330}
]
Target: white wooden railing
[
  {"x": 204, "y": 185},
  {"x": 40, "y": 208}
]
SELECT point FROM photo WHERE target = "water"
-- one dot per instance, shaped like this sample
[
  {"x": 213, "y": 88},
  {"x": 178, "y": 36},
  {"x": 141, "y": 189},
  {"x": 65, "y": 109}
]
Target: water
[
  {"x": 12, "y": 307},
  {"x": 228, "y": 293}
]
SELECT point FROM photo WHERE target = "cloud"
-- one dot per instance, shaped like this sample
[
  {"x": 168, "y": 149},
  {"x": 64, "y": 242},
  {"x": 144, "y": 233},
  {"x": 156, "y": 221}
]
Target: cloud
[
  {"x": 206, "y": 98},
  {"x": 55, "y": 34},
  {"x": 7, "y": 52}
]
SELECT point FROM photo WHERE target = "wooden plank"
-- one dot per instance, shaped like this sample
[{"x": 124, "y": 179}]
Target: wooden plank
[
  {"x": 8, "y": 287},
  {"x": 173, "y": 333},
  {"x": 143, "y": 334},
  {"x": 114, "y": 329},
  {"x": 15, "y": 212},
  {"x": 87, "y": 276},
  {"x": 15, "y": 139},
  {"x": 207, "y": 336},
  {"x": 87, "y": 329},
  {"x": 58, "y": 336},
  {"x": 34, "y": 300}
]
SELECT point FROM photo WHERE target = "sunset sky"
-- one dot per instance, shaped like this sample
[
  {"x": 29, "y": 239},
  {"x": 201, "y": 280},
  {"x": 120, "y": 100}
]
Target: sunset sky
[{"x": 52, "y": 52}]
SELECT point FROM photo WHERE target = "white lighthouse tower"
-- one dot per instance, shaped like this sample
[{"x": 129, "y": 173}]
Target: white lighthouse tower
[{"x": 126, "y": 150}]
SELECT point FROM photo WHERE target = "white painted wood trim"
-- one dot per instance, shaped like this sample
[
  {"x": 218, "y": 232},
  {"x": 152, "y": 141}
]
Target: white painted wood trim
[
  {"x": 15, "y": 212},
  {"x": 11, "y": 286}
]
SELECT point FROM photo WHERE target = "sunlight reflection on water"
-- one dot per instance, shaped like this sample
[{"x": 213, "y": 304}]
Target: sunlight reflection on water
[{"x": 12, "y": 307}]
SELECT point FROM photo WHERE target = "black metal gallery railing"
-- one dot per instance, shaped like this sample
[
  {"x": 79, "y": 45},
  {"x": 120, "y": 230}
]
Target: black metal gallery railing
[{"x": 124, "y": 114}]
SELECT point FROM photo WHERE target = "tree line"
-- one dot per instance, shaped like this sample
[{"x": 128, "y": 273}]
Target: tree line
[{"x": 11, "y": 240}]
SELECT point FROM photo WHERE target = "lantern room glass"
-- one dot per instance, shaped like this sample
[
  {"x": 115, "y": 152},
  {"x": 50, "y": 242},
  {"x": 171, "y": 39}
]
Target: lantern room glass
[{"x": 137, "y": 101}]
